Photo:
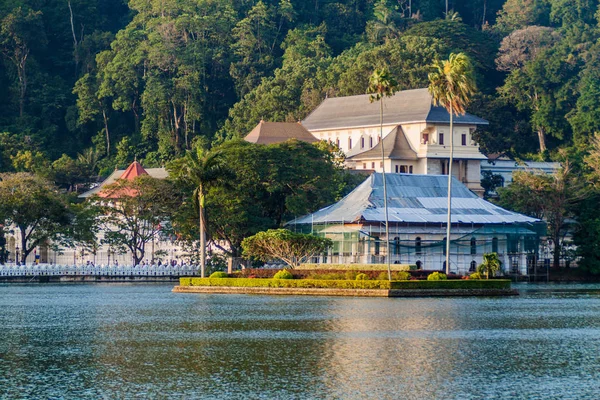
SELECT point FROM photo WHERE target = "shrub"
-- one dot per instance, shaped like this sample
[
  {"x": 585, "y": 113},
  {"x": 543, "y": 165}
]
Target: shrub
[
  {"x": 351, "y": 275},
  {"x": 437, "y": 276},
  {"x": 401, "y": 276},
  {"x": 475, "y": 275},
  {"x": 361, "y": 277},
  {"x": 283, "y": 274},
  {"x": 219, "y": 274}
]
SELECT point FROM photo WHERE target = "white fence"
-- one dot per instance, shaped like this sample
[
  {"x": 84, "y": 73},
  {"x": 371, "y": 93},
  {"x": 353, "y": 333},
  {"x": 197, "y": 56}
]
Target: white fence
[{"x": 99, "y": 270}]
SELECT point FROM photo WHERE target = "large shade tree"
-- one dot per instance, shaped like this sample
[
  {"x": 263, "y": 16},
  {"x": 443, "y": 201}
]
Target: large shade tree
[
  {"x": 135, "y": 211},
  {"x": 35, "y": 207},
  {"x": 452, "y": 84},
  {"x": 287, "y": 246}
]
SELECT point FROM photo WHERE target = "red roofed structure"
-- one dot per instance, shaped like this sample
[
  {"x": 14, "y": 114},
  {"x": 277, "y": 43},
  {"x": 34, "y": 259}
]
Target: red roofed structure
[{"x": 134, "y": 170}]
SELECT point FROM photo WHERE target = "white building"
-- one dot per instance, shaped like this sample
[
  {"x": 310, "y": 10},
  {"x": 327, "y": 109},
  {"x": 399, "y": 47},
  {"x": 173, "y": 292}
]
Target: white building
[
  {"x": 505, "y": 167},
  {"x": 416, "y": 135},
  {"x": 417, "y": 207}
]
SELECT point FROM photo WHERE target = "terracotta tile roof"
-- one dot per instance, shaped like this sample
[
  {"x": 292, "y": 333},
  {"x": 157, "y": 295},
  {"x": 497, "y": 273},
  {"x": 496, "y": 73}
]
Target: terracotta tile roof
[
  {"x": 131, "y": 172},
  {"x": 278, "y": 132}
]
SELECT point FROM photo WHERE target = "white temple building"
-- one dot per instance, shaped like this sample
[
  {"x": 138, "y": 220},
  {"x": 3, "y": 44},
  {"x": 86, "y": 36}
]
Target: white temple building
[{"x": 416, "y": 135}]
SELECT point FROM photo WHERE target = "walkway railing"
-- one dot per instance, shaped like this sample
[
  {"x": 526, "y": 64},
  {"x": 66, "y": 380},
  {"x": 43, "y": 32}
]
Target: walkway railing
[{"x": 100, "y": 270}]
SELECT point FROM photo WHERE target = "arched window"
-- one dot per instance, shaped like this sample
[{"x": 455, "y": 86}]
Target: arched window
[
  {"x": 494, "y": 245},
  {"x": 349, "y": 143},
  {"x": 473, "y": 266},
  {"x": 362, "y": 142},
  {"x": 473, "y": 246},
  {"x": 370, "y": 141},
  {"x": 418, "y": 247}
]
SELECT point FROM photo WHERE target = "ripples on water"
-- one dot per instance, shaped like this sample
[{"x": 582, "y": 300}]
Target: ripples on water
[{"x": 142, "y": 341}]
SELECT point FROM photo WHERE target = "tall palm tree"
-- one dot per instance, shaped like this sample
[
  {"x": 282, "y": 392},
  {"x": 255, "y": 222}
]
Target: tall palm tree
[
  {"x": 452, "y": 84},
  {"x": 201, "y": 168},
  {"x": 382, "y": 84}
]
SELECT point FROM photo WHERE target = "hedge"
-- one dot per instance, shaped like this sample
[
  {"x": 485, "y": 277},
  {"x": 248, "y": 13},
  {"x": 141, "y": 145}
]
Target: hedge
[
  {"x": 287, "y": 283},
  {"x": 360, "y": 267},
  {"x": 347, "y": 284},
  {"x": 453, "y": 284}
]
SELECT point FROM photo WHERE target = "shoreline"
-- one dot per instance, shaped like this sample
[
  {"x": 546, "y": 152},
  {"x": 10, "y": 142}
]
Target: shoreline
[{"x": 344, "y": 292}]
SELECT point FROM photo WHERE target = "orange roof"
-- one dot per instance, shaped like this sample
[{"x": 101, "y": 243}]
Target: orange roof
[{"x": 133, "y": 171}]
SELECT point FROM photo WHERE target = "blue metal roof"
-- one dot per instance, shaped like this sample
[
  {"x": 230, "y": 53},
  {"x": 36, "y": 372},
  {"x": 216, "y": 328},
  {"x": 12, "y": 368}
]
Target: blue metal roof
[{"x": 413, "y": 199}]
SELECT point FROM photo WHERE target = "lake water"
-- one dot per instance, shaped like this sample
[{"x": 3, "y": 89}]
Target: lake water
[{"x": 94, "y": 341}]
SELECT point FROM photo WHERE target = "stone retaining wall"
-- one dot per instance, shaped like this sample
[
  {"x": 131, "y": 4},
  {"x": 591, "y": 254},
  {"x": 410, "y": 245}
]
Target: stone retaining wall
[{"x": 345, "y": 292}]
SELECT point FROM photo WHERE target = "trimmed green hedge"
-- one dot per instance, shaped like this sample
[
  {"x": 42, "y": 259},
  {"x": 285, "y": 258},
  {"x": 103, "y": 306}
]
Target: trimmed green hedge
[
  {"x": 359, "y": 267},
  {"x": 287, "y": 283},
  {"x": 453, "y": 284},
  {"x": 347, "y": 284}
]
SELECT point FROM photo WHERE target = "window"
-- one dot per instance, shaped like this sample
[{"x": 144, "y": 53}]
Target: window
[
  {"x": 380, "y": 164},
  {"x": 463, "y": 139},
  {"x": 410, "y": 169},
  {"x": 370, "y": 141},
  {"x": 396, "y": 169},
  {"x": 377, "y": 245},
  {"x": 337, "y": 142},
  {"x": 444, "y": 246},
  {"x": 362, "y": 142},
  {"x": 473, "y": 266},
  {"x": 425, "y": 138},
  {"x": 403, "y": 169},
  {"x": 373, "y": 165},
  {"x": 364, "y": 165},
  {"x": 396, "y": 245},
  {"x": 419, "y": 264},
  {"x": 443, "y": 162},
  {"x": 350, "y": 143},
  {"x": 473, "y": 246},
  {"x": 441, "y": 138},
  {"x": 494, "y": 245},
  {"x": 378, "y": 139},
  {"x": 418, "y": 247}
]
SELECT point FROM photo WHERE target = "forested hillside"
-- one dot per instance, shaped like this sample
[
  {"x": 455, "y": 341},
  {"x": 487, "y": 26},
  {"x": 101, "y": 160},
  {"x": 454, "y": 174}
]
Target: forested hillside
[{"x": 89, "y": 85}]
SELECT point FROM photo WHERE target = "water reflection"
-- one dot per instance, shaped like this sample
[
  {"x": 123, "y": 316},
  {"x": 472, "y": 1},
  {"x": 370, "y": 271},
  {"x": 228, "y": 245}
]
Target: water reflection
[{"x": 126, "y": 341}]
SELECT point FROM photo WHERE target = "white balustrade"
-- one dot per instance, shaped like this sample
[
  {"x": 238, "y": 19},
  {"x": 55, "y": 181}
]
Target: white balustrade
[{"x": 101, "y": 270}]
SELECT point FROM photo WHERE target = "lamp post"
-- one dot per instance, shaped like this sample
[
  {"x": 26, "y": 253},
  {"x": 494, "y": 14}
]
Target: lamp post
[{"x": 17, "y": 260}]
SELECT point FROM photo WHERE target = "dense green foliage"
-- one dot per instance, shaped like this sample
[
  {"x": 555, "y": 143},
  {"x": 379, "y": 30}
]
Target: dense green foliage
[{"x": 147, "y": 79}]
